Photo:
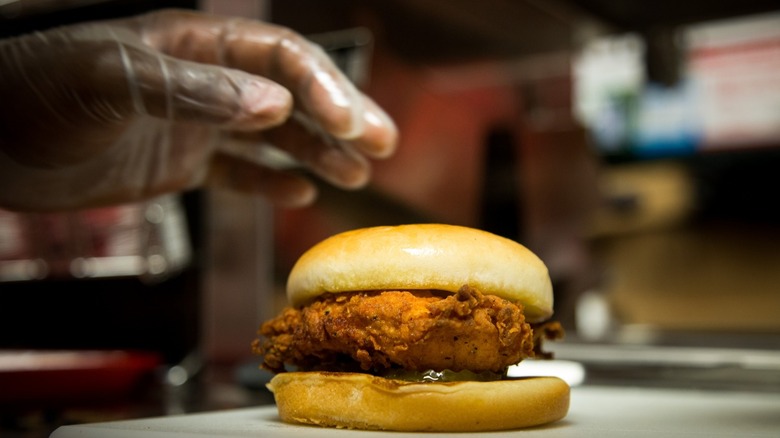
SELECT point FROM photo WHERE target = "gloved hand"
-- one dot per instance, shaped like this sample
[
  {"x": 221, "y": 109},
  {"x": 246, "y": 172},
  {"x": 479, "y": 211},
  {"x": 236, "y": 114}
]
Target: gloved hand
[{"x": 118, "y": 111}]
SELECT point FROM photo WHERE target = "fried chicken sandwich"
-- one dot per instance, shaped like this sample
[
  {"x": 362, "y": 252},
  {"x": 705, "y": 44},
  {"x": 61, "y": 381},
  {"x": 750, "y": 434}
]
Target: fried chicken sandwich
[{"x": 412, "y": 328}]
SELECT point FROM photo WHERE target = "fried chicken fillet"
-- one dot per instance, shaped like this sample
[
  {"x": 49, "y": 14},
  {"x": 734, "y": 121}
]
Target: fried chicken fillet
[{"x": 413, "y": 330}]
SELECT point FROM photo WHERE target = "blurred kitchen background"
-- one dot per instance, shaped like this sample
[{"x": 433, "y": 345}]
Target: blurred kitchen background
[{"x": 635, "y": 146}]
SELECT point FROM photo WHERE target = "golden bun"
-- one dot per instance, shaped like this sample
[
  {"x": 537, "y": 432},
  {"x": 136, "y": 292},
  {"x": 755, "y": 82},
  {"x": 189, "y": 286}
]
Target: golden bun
[
  {"x": 423, "y": 256},
  {"x": 362, "y": 401}
]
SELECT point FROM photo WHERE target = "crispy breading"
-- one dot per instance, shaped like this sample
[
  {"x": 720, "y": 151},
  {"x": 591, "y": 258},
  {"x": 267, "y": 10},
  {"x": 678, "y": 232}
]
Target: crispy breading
[{"x": 413, "y": 330}]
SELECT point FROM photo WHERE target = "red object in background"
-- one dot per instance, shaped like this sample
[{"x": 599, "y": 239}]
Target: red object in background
[{"x": 56, "y": 378}]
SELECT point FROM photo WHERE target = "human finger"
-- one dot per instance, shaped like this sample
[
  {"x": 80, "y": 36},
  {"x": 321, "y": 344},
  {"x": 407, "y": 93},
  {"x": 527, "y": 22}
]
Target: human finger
[
  {"x": 285, "y": 189},
  {"x": 267, "y": 50},
  {"x": 380, "y": 136},
  {"x": 180, "y": 90},
  {"x": 334, "y": 161}
]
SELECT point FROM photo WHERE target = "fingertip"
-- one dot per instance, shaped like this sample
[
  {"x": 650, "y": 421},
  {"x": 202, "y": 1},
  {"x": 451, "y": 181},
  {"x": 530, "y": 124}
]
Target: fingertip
[
  {"x": 281, "y": 188},
  {"x": 265, "y": 104},
  {"x": 301, "y": 196},
  {"x": 355, "y": 181},
  {"x": 380, "y": 137},
  {"x": 381, "y": 132},
  {"x": 335, "y": 104},
  {"x": 342, "y": 167}
]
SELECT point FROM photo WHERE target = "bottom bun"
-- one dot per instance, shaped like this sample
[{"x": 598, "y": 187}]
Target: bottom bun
[{"x": 362, "y": 401}]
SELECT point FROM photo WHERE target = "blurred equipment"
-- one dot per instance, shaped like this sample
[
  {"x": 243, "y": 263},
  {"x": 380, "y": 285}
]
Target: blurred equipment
[
  {"x": 658, "y": 23},
  {"x": 727, "y": 98},
  {"x": 148, "y": 240}
]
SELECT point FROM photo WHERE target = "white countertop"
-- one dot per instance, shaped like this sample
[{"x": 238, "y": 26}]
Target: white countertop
[{"x": 594, "y": 412}]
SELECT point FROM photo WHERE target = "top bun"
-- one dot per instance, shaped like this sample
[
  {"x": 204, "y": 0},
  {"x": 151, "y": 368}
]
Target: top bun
[{"x": 423, "y": 256}]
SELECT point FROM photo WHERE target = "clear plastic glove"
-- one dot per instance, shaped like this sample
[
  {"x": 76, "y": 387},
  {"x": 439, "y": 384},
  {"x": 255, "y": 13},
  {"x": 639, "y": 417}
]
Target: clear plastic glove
[{"x": 119, "y": 111}]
